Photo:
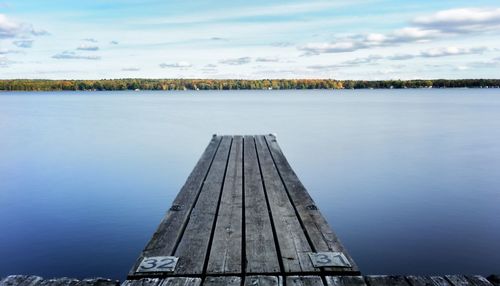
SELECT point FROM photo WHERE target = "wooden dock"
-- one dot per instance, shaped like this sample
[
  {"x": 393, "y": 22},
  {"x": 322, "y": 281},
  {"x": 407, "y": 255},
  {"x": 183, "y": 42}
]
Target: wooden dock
[
  {"x": 370, "y": 280},
  {"x": 242, "y": 212},
  {"x": 244, "y": 218}
]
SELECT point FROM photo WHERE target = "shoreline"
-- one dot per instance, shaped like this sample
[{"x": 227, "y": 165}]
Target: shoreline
[
  {"x": 237, "y": 84},
  {"x": 270, "y": 90}
]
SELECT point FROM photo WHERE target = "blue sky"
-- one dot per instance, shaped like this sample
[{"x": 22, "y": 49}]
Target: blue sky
[{"x": 357, "y": 39}]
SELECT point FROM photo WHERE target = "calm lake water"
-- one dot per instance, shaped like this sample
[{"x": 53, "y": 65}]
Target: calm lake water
[{"x": 409, "y": 179}]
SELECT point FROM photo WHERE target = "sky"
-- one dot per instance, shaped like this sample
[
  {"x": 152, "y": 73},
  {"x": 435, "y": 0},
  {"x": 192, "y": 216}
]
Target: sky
[{"x": 356, "y": 39}]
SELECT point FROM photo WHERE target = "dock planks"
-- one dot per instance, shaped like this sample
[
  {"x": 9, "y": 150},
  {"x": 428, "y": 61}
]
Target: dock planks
[
  {"x": 261, "y": 280},
  {"x": 225, "y": 253},
  {"x": 194, "y": 245},
  {"x": 314, "y": 280},
  {"x": 32, "y": 280},
  {"x": 261, "y": 252},
  {"x": 243, "y": 211}
]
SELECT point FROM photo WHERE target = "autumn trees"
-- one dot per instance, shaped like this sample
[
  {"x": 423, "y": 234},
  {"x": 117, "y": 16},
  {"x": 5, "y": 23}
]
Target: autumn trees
[{"x": 234, "y": 84}]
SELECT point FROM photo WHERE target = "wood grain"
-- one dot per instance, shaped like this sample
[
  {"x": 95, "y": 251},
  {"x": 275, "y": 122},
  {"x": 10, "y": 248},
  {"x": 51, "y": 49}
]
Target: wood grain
[
  {"x": 194, "y": 244},
  {"x": 304, "y": 281},
  {"x": 225, "y": 253},
  {"x": 222, "y": 280},
  {"x": 386, "y": 280},
  {"x": 345, "y": 281},
  {"x": 142, "y": 282},
  {"x": 292, "y": 241},
  {"x": 259, "y": 280},
  {"x": 181, "y": 281},
  {"x": 261, "y": 254}
]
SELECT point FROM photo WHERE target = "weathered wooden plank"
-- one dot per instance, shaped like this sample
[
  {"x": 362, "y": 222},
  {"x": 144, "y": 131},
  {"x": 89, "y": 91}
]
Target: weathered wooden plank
[
  {"x": 345, "y": 281},
  {"x": 479, "y": 280},
  {"x": 304, "y": 281},
  {"x": 292, "y": 241},
  {"x": 385, "y": 280},
  {"x": 13, "y": 280},
  {"x": 32, "y": 281},
  {"x": 419, "y": 280},
  {"x": 494, "y": 279},
  {"x": 260, "y": 280},
  {"x": 60, "y": 282},
  {"x": 222, "y": 280},
  {"x": 458, "y": 280},
  {"x": 164, "y": 240},
  {"x": 194, "y": 244},
  {"x": 440, "y": 281},
  {"x": 261, "y": 254},
  {"x": 426, "y": 281},
  {"x": 319, "y": 231},
  {"x": 142, "y": 282},
  {"x": 98, "y": 282},
  {"x": 180, "y": 281},
  {"x": 225, "y": 253},
  {"x": 21, "y": 280}
]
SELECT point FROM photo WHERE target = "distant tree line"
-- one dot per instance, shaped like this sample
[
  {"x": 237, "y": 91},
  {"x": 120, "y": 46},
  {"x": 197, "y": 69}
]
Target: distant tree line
[{"x": 234, "y": 84}]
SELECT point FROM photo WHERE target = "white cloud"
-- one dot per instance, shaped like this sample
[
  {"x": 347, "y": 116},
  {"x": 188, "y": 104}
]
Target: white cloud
[
  {"x": 36, "y": 32},
  {"x": 210, "y": 68},
  {"x": 463, "y": 20},
  {"x": 23, "y": 43},
  {"x": 182, "y": 65},
  {"x": 131, "y": 69},
  {"x": 492, "y": 63},
  {"x": 336, "y": 47},
  {"x": 87, "y": 48},
  {"x": 359, "y": 42},
  {"x": 12, "y": 29},
  {"x": 282, "y": 44},
  {"x": 8, "y": 51},
  {"x": 68, "y": 55},
  {"x": 91, "y": 40},
  {"x": 440, "y": 52},
  {"x": 371, "y": 59},
  {"x": 324, "y": 67},
  {"x": 451, "y": 51},
  {"x": 236, "y": 61},
  {"x": 430, "y": 53},
  {"x": 268, "y": 60},
  {"x": 438, "y": 25},
  {"x": 218, "y": 39},
  {"x": 411, "y": 34},
  {"x": 401, "y": 57},
  {"x": 9, "y": 28}
]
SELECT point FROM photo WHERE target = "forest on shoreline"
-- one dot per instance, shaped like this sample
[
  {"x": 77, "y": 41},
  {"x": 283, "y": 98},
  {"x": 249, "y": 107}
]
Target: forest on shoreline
[{"x": 235, "y": 84}]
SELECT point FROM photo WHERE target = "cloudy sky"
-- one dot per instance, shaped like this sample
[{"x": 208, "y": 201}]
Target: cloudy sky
[{"x": 356, "y": 39}]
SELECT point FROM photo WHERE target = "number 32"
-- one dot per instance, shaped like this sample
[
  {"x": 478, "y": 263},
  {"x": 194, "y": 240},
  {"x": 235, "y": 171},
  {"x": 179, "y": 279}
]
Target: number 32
[{"x": 160, "y": 264}]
